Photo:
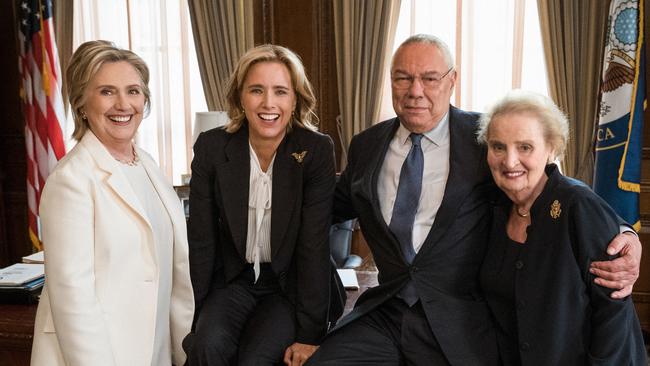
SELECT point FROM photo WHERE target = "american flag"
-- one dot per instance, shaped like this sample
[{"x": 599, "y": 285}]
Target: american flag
[{"x": 42, "y": 102}]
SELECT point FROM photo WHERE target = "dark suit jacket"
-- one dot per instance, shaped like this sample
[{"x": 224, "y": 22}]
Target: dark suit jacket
[
  {"x": 300, "y": 219},
  {"x": 561, "y": 316},
  {"x": 445, "y": 270}
]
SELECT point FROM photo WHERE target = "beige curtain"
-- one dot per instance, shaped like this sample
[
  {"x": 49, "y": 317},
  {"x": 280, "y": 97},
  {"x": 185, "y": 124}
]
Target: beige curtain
[
  {"x": 364, "y": 34},
  {"x": 573, "y": 34},
  {"x": 63, "y": 13},
  {"x": 223, "y": 31}
]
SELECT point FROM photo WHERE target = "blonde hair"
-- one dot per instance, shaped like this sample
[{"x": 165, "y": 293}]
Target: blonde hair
[
  {"x": 554, "y": 123},
  {"x": 85, "y": 63},
  {"x": 304, "y": 115}
]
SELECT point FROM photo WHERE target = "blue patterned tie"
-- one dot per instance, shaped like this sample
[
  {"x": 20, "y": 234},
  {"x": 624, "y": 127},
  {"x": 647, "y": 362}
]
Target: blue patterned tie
[
  {"x": 406, "y": 205},
  {"x": 408, "y": 198}
]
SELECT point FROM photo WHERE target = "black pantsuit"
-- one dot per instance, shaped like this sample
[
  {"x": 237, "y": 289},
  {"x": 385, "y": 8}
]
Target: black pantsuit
[
  {"x": 235, "y": 322},
  {"x": 233, "y": 316}
]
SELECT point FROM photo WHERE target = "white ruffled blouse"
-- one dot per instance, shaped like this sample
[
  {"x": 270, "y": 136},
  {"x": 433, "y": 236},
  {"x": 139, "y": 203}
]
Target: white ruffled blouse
[{"x": 258, "y": 240}]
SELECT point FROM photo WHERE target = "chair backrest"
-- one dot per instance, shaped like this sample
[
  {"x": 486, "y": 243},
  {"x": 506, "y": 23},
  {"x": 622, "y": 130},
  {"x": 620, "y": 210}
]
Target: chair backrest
[{"x": 341, "y": 241}]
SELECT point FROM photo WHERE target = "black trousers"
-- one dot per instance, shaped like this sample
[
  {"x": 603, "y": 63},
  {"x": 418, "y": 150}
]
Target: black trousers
[
  {"x": 393, "y": 334},
  {"x": 245, "y": 323}
]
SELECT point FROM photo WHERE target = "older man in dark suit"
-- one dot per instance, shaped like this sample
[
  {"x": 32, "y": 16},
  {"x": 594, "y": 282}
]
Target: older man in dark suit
[{"x": 420, "y": 186}]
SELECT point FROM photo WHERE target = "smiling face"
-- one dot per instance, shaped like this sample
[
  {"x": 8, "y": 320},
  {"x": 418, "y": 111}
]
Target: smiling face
[
  {"x": 268, "y": 99},
  {"x": 421, "y": 107},
  {"x": 517, "y": 155},
  {"x": 114, "y": 104}
]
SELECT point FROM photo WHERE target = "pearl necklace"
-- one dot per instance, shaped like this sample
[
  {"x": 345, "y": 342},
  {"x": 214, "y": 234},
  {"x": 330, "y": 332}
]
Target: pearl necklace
[{"x": 132, "y": 162}]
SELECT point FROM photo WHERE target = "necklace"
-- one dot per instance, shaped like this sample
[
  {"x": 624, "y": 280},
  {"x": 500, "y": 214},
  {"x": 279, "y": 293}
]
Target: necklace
[
  {"x": 133, "y": 162},
  {"x": 525, "y": 214}
]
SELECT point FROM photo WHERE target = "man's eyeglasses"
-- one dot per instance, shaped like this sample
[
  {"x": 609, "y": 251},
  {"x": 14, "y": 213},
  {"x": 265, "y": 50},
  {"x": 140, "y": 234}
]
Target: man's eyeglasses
[{"x": 404, "y": 81}]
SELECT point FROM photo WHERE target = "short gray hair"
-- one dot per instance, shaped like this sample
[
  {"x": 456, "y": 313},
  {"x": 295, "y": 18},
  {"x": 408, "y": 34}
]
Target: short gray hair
[
  {"x": 432, "y": 40},
  {"x": 554, "y": 123}
]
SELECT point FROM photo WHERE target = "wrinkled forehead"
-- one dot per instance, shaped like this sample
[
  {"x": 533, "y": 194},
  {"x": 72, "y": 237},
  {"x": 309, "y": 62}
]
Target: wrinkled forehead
[{"x": 419, "y": 58}]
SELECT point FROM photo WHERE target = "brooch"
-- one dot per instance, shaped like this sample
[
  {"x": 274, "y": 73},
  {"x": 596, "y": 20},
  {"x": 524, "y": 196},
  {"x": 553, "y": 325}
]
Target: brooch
[
  {"x": 555, "y": 209},
  {"x": 299, "y": 156}
]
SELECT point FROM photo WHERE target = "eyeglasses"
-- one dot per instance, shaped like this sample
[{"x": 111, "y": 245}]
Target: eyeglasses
[{"x": 404, "y": 81}]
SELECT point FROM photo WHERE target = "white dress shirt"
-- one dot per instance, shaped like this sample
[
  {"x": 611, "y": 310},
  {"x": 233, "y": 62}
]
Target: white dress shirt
[
  {"x": 435, "y": 147},
  {"x": 258, "y": 240}
]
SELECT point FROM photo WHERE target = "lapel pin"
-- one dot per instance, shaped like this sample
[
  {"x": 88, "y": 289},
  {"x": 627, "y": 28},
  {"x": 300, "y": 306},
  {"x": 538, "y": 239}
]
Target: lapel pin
[
  {"x": 299, "y": 156},
  {"x": 555, "y": 209}
]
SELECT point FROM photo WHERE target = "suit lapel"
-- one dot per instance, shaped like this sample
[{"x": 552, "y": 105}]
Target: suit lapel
[
  {"x": 463, "y": 167},
  {"x": 371, "y": 177},
  {"x": 287, "y": 185},
  {"x": 233, "y": 177},
  {"x": 116, "y": 180},
  {"x": 167, "y": 196},
  {"x": 383, "y": 142}
]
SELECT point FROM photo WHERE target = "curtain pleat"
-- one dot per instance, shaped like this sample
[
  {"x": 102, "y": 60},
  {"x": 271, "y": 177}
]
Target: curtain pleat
[
  {"x": 573, "y": 34},
  {"x": 223, "y": 31},
  {"x": 63, "y": 13},
  {"x": 364, "y": 34}
]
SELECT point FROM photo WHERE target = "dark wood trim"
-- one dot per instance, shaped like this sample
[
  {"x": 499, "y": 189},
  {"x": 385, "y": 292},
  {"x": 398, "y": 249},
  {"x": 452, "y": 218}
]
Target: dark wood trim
[
  {"x": 646, "y": 35},
  {"x": 641, "y": 295},
  {"x": 268, "y": 26},
  {"x": 328, "y": 90},
  {"x": 14, "y": 241}
]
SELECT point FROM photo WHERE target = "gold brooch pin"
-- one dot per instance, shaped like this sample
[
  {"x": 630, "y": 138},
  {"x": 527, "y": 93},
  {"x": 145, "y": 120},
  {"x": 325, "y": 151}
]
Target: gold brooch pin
[
  {"x": 299, "y": 156},
  {"x": 555, "y": 209}
]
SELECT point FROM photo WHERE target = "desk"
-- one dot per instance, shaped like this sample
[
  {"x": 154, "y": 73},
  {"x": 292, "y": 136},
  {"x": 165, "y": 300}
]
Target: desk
[
  {"x": 16, "y": 334},
  {"x": 366, "y": 280},
  {"x": 17, "y": 323}
]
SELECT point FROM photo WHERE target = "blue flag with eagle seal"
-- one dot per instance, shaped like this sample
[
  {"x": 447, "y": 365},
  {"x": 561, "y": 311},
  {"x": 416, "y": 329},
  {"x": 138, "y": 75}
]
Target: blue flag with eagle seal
[{"x": 619, "y": 142}]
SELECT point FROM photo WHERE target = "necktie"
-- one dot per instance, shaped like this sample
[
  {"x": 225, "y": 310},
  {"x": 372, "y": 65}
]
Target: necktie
[
  {"x": 408, "y": 198},
  {"x": 405, "y": 207}
]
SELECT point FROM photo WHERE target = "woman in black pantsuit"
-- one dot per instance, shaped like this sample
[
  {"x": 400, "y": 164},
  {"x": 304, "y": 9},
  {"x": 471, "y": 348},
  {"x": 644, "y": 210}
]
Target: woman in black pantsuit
[{"x": 260, "y": 206}]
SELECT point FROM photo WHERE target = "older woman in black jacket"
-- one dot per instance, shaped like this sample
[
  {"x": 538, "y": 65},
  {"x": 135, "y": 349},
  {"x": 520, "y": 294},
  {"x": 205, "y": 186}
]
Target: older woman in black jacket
[{"x": 546, "y": 231}]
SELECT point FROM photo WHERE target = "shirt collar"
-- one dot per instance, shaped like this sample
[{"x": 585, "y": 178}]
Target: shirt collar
[{"x": 437, "y": 135}]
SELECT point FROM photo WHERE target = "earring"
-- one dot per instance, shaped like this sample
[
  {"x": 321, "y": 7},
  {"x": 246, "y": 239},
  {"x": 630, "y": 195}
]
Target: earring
[{"x": 83, "y": 115}]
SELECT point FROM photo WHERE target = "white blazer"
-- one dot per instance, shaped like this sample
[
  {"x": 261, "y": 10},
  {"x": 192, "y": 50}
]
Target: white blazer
[{"x": 98, "y": 306}]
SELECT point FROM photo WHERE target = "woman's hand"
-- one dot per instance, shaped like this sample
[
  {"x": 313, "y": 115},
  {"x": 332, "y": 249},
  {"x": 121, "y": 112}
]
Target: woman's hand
[{"x": 298, "y": 353}]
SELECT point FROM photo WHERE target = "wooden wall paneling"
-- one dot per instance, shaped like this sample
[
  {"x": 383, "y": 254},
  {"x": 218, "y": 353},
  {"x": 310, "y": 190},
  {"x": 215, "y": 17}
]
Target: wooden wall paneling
[
  {"x": 13, "y": 220},
  {"x": 3, "y": 224},
  {"x": 16, "y": 334},
  {"x": 328, "y": 82},
  {"x": 307, "y": 28}
]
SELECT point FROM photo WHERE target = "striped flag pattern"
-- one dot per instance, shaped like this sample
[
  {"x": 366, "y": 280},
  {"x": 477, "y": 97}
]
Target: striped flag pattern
[
  {"x": 42, "y": 102},
  {"x": 620, "y": 127}
]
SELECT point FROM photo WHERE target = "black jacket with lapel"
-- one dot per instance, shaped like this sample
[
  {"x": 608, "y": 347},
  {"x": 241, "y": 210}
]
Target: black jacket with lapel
[
  {"x": 445, "y": 270},
  {"x": 300, "y": 219}
]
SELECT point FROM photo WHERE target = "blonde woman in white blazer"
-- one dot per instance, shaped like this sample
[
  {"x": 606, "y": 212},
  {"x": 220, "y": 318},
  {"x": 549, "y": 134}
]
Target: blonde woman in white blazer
[{"x": 117, "y": 290}]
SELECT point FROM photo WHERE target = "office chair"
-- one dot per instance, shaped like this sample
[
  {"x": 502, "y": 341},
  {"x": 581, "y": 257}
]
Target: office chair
[{"x": 341, "y": 245}]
